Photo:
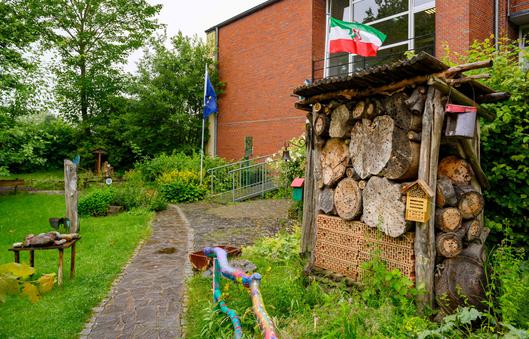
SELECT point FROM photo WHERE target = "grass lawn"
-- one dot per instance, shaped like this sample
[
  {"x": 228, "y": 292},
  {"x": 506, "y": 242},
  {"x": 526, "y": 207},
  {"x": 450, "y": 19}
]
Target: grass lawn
[{"x": 106, "y": 245}]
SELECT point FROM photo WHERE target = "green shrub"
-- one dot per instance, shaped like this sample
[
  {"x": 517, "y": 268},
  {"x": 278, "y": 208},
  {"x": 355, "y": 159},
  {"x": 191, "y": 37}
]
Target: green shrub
[
  {"x": 157, "y": 202},
  {"x": 505, "y": 141},
  {"x": 179, "y": 191},
  {"x": 95, "y": 203}
]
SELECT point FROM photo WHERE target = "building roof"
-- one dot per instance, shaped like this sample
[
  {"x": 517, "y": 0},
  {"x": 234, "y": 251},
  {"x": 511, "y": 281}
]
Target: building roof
[
  {"x": 243, "y": 14},
  {"x": 420, "y": 65}
]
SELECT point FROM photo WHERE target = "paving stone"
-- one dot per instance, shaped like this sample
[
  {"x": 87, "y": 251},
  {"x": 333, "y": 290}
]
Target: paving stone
[{"x": 146, "y": 301}]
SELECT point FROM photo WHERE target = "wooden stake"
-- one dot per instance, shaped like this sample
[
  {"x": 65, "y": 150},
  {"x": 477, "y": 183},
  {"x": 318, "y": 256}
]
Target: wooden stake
[
  {"x": 468, "y": 67},
  {"x": 424, "y": 260},
  {"x": 309, "y": 191},
  {"x": 59, "y": 273}
]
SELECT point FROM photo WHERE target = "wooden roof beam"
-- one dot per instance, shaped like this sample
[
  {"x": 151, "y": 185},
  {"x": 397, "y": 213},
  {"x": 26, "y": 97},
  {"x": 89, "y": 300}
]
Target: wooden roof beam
[{"x": 458, "y": 97}]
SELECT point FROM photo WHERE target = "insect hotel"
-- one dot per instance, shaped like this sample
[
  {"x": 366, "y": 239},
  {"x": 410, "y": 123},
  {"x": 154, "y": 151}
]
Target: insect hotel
[{"x": 393, "y": 170}]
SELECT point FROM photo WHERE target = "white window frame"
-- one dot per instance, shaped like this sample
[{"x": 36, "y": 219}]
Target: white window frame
[{"x": 412, "y": 10}]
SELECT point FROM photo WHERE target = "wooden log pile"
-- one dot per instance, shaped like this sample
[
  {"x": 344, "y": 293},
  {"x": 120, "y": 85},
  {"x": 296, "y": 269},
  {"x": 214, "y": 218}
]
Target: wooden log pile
[
  {"x": 367, "y": 148},
  {"x": 367, "y": 144},
  {"x": 458, "y": 207}
]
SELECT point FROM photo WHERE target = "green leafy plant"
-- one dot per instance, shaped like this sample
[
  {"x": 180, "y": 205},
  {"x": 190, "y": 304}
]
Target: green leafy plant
[
  {"x": 95, "y": 203},
  {"x": 14, "y": 279},
  {"x": 505, "y": 141}
]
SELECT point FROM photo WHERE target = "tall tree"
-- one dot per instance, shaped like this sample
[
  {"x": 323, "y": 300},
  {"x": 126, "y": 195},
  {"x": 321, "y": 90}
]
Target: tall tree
[
  {"x": 163, "y": 110},
  {"x": 21, "y": 25},
  {"x": 94, "y": 37}
]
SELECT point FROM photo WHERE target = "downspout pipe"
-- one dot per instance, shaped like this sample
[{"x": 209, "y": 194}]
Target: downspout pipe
[{"x": 497, "y": 23}]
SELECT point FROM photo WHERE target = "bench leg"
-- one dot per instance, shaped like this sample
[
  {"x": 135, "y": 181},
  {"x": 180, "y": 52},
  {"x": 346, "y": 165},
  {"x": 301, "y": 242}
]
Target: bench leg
[
  {"x": 32, "y": 258},
  {"x": 17, "y": 257},
  {"x": 59, "y": 273},
  {"x": 72, "y": 262}
]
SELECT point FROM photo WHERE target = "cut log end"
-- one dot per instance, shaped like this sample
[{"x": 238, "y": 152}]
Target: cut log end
[
  {"x": 348, "y": 199},
  {"x": 449, "y": 244},
  {"x": 448, "y": 219},
  {"x": 456, "y": 169}
]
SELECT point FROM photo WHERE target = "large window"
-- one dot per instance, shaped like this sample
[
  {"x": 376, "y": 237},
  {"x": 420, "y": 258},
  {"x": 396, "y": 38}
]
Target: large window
[{"x": 408, "y": 24}]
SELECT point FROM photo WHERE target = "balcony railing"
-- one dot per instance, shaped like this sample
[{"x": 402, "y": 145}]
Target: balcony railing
[{"x": 340, "y": 65}]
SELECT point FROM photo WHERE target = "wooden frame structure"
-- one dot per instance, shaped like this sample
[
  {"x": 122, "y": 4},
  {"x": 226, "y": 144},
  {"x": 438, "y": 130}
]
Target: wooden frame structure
[{"x": 407, "y": 99}]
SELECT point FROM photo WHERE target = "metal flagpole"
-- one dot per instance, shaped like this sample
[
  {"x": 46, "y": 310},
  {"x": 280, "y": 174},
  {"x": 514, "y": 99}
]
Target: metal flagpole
[{"x": 203, "y": 125}]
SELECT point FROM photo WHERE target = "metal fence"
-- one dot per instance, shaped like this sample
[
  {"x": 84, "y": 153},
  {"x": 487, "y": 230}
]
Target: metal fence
[{"x": 243, "y": 179}]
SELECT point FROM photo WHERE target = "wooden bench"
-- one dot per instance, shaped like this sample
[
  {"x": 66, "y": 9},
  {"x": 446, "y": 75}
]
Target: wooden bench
[
  {"x": 11, "y": 185},
  {"x": 60, "y": 248}
]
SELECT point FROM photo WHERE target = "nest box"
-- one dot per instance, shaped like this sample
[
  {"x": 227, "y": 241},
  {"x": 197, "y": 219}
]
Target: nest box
[
  {"x": 297, "y": 189},
  {"x": 418, "y": 201},
  {"x": 460, "y": 121}
]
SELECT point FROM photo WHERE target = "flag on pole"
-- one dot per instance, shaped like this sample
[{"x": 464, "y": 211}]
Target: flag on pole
[
  {"x": 353, "y": 37},
  {"x": 210, "y": 99}
]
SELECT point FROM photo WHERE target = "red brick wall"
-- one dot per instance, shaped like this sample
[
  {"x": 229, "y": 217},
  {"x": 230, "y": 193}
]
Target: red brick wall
[
  {"x": 262, "y": 58},
  {"x": 461, "y": 22}
]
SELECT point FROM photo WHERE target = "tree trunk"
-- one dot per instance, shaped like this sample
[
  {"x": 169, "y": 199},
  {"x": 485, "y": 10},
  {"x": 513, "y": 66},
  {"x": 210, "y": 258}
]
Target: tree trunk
[
  {"x": 82, "y": 91},
  {"x": 446, "y": 194},
  {"x": 348, "y": 199},
  {"x": 449, "y": 244},
  {"x": 326, "y": 200},
  {"x": 383, "y": 207},
  {"x": 382, "y": 148},
  {"x": 334, "y": 159},
  {"x": 448, "y": 219},
  {"x": 340, "y": 122},
  {"x": 470, "y": 201},
  {"x": 321, "y": 126},
  {"x": 456, "y": 169}
]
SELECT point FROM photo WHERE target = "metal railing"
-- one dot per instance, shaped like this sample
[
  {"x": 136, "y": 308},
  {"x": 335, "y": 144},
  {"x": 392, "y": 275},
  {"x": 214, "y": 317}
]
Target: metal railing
[
  {"x": 243, "y": 179},
  {"x": 336, "y": 68},
  {"x": 254, "y": 180}
]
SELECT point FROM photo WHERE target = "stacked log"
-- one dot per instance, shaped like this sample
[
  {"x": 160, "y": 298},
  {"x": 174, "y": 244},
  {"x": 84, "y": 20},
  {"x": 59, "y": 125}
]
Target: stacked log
[
  {"x": 368, "y": 147},
  {"x": 459, "y": 206}
]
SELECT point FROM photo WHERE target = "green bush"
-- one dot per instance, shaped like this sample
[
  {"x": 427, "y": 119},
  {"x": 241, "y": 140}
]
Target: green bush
[
  {"x": 505, "y": 141},
  {"x": 95, "y": 203},
  {"x": 179, "y": 191}
]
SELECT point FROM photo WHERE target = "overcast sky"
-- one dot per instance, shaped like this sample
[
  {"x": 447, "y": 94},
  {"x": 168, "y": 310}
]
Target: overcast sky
[{"x": 194, "y": 17}]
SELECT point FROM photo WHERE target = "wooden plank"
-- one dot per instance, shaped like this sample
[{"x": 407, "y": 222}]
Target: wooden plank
[
  {"x": 423, "y": 258},
  {"x": 308, "y": 192},
  {"x": 37, "y": 248},
  {"x": 71, "y": 194},
  {"x": 59, "y": 271},
  {"x": 458, "y": 97},
  {"x": 72, "y": 262},
  {"x": 32, "y": 258}
]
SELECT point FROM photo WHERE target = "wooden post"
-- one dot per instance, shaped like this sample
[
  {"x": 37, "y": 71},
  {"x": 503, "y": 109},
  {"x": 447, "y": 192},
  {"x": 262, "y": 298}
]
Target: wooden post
[
  {"x": 59, "y": 272},
  {"x": 71, "y": 194},
  {"x": 17, "y": 257},
  {"x": 32, "y": 258},
  {"x": 72, "y": 262},
  {"x": 424, "y": 260},
  {"x": 308, "y": 191}
]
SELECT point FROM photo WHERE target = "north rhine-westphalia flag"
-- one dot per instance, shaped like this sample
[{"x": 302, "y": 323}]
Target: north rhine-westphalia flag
[{"x": 355, "y": 38}]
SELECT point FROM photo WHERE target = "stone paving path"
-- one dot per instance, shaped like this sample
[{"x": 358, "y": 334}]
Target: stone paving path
[{"x": 147, "y": 300}]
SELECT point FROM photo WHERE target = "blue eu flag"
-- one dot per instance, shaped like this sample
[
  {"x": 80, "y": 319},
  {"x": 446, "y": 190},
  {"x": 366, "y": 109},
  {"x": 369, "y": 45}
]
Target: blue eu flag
[{"x": 210, "y": 99}]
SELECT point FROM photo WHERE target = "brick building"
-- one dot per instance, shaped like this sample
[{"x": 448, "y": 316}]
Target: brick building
[{"x": 267, "y": 51}]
